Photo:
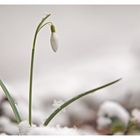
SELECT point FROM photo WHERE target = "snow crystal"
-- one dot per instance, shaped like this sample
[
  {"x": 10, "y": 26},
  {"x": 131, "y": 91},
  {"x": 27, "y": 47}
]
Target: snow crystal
[{"x": 57, "y": 103}]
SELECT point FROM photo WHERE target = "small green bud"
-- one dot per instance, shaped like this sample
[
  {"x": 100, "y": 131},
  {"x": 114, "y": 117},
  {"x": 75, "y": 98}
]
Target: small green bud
[{"x": 53, "y": 28}]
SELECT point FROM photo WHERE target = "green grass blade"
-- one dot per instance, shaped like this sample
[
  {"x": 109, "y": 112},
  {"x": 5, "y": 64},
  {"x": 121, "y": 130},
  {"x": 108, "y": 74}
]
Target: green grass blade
[
  {"x": 11, "y": 102},
  {"x": 76, "y": 98}
]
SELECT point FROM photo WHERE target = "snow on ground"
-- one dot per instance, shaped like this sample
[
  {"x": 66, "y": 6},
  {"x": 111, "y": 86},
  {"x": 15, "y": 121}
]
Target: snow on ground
[{"x": 25, "y": 129}]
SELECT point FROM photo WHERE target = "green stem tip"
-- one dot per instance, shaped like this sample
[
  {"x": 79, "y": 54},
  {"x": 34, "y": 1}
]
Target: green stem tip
[{"x": 39, "y": 27}]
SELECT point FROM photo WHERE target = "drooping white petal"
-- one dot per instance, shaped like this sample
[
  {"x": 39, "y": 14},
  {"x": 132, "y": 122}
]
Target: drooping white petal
[{"x": 54, "y": 41}]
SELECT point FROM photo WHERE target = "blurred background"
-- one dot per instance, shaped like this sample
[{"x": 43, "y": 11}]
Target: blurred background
[{"x": 97, "y": 44}]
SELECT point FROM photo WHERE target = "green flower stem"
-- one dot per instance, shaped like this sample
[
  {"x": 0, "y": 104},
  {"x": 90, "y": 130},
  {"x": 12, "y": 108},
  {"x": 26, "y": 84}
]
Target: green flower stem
[
  {"x": 39, "y": 27},
  {"x": 45, "y": 25},
  {"x": 11, "y": 102},
  {"x": 76, "y": 98}
]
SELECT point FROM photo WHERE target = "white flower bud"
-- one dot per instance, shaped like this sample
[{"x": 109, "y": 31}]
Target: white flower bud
[{"x": 54, "y": 41}]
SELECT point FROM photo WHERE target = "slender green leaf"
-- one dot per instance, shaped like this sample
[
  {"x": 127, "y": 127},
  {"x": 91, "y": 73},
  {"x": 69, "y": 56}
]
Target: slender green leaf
[
  {"x": 11, "y": 102},
  {"x": 76, "y": 98}
]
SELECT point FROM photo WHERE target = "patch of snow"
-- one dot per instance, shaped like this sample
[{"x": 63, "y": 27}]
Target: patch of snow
[
  {"x": 26, "y": 129},
  {"x": 103, "y": 122},
  {"x": 53, "y": 131},
  {"x": 8, "y": 127},
  {"x": 111, "y": 109},
  {"x": 3, "y": 134}
]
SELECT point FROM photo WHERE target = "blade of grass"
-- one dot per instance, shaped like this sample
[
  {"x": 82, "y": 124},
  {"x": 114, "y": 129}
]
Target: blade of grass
[
  {"x": 76, "y": 98},
  {"x": 11, "y": 102}
]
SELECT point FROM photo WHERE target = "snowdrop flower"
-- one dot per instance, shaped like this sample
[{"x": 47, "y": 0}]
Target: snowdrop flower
[
  {"x": 53, "y": 39},
  {"x": 109, "y": 112}
]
